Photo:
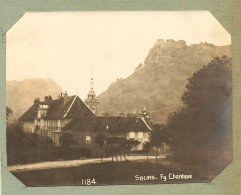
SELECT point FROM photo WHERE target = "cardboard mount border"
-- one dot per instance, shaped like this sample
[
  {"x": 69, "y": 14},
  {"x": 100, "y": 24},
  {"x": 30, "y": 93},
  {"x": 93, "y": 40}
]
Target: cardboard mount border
[{"x": 227, "y": 12}]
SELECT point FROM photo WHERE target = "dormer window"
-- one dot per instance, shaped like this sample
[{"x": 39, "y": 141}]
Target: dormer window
[{"x": 45, "y": 106}]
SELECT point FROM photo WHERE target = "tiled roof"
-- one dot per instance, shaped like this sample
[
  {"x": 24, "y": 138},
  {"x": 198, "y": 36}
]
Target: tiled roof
[
  {"x": 65, "y": 107},
  {"x": 112, "y": 123},
  {"x": 31, "y": 113}
]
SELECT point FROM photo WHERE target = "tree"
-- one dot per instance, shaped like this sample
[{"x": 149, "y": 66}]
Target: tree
[
  {"x": 147, "y": 148},
  {"x": 120, "y": 146},
  {"x": 66, "y": 140},
  {"x": 45, "y": 143},
  {"x": 100, "y": 140},
  {"x": 9, "y": 112},
  {"x": 201, "y": 131},
  {"x": 157, "y": 138},
  {"x": 25, "y": 148},
  {"x": 127, "y": 145},
  {"x": 213, "y": 80},
  {"x": 114, "y": 143}
]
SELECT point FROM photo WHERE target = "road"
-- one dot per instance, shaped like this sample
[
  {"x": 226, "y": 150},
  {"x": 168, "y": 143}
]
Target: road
[{"x": 70, "y": 163}]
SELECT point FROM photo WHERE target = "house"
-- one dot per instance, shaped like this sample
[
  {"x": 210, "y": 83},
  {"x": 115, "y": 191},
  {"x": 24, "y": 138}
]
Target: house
[
  {"x": 47, "y": 117},
  {"x": 86, "y": 129}
]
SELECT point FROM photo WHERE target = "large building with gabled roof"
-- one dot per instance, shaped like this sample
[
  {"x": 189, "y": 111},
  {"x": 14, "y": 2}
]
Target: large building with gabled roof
[
  {"x": 49, "y": 116},
  {"x": 69, "y": 114},
  {"x": 86, "y": 129}
]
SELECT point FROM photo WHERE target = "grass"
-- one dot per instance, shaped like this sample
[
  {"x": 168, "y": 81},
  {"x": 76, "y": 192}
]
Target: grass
[{"x": 108, "y": 173}]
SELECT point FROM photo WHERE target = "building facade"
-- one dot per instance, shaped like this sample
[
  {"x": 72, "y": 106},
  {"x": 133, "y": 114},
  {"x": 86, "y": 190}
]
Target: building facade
[
  {"x": 86, "y": 129},
  {"x": 69, "y": 114},
  {"x": 48, "y": 117}
]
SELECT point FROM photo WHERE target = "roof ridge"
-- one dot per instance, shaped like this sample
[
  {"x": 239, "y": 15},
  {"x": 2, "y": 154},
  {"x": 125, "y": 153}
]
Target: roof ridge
[
  {"x": 146, "y": 123},
  {"x": 88, "y": 107},
  {"x": 70, "y": 106}
]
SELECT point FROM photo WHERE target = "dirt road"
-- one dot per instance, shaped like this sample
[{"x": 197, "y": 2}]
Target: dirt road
[{"x": 70, "y": 163}]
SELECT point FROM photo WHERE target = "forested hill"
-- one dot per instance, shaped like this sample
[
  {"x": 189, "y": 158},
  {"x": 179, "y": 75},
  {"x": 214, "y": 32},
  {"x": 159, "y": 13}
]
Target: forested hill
[
  {"x": 160, "y": 81},
  {"x": 21, "y": 94}
]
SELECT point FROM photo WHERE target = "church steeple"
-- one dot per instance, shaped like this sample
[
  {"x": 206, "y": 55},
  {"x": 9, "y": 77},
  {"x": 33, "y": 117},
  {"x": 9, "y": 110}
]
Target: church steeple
[
  {"x": 91, "y": 101},
  {"x": 91, "y": 94}
]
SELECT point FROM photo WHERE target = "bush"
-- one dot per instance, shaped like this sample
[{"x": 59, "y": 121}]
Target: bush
[
  {"x": 27, "y": 148},
  {"x": 66, "y": 140},
  {"x": 23, "y": 148}
]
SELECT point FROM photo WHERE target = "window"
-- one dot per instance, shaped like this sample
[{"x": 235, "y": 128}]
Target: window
[
  {"x": 88, "y": 140},
  {"x": 132, "y": 134},
  {"x": 140, "y": 134},
  {"x": 59, "y": 123},
  {"x": 140, "y": 147}
]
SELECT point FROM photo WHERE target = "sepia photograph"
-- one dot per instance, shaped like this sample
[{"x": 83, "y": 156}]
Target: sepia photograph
[{"x": 118, "y": 98}]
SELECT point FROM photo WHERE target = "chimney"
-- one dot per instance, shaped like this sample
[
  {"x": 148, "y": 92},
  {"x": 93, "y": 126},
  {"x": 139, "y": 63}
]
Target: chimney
[
  {"x": 65, "y": 94},
  {"x": 36, "y": 101},
  {"x": 46, "y": 99},
  {"x": 60, "y": 96}
]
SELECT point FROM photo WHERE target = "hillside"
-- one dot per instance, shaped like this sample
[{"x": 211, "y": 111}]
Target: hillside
[
  {"x": 160, "y": 81},
  {"x": 21, "y": 94}
]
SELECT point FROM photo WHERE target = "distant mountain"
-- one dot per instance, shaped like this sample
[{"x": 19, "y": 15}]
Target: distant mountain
[
  {"x": 21, "y": 94},
  {"x": 159, "y": 83}
]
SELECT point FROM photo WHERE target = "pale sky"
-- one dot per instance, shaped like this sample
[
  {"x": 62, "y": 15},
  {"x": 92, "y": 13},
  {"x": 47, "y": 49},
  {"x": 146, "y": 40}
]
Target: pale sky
[{"x": 68, "y": 46}]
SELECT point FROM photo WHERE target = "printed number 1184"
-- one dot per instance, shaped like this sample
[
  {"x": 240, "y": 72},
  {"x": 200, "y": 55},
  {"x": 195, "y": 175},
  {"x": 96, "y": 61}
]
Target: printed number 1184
[{"x": 88, "y": 182}]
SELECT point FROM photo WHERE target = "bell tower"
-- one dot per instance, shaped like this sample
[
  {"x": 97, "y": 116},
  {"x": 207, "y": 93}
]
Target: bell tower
[{"x": 92, "y": 102}]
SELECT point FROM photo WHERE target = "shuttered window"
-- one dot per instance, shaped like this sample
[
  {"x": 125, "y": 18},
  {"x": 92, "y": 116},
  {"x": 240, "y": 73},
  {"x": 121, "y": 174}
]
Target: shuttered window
[
  {"x": 140, "y": 134},
  {"x": 88, "y": 139}
]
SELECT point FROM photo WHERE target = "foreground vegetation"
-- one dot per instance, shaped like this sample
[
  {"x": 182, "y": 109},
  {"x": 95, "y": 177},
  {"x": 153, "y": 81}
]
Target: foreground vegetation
[
  {"x": 25, "y": 148},
  {"x": 201, "y": 131}
]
